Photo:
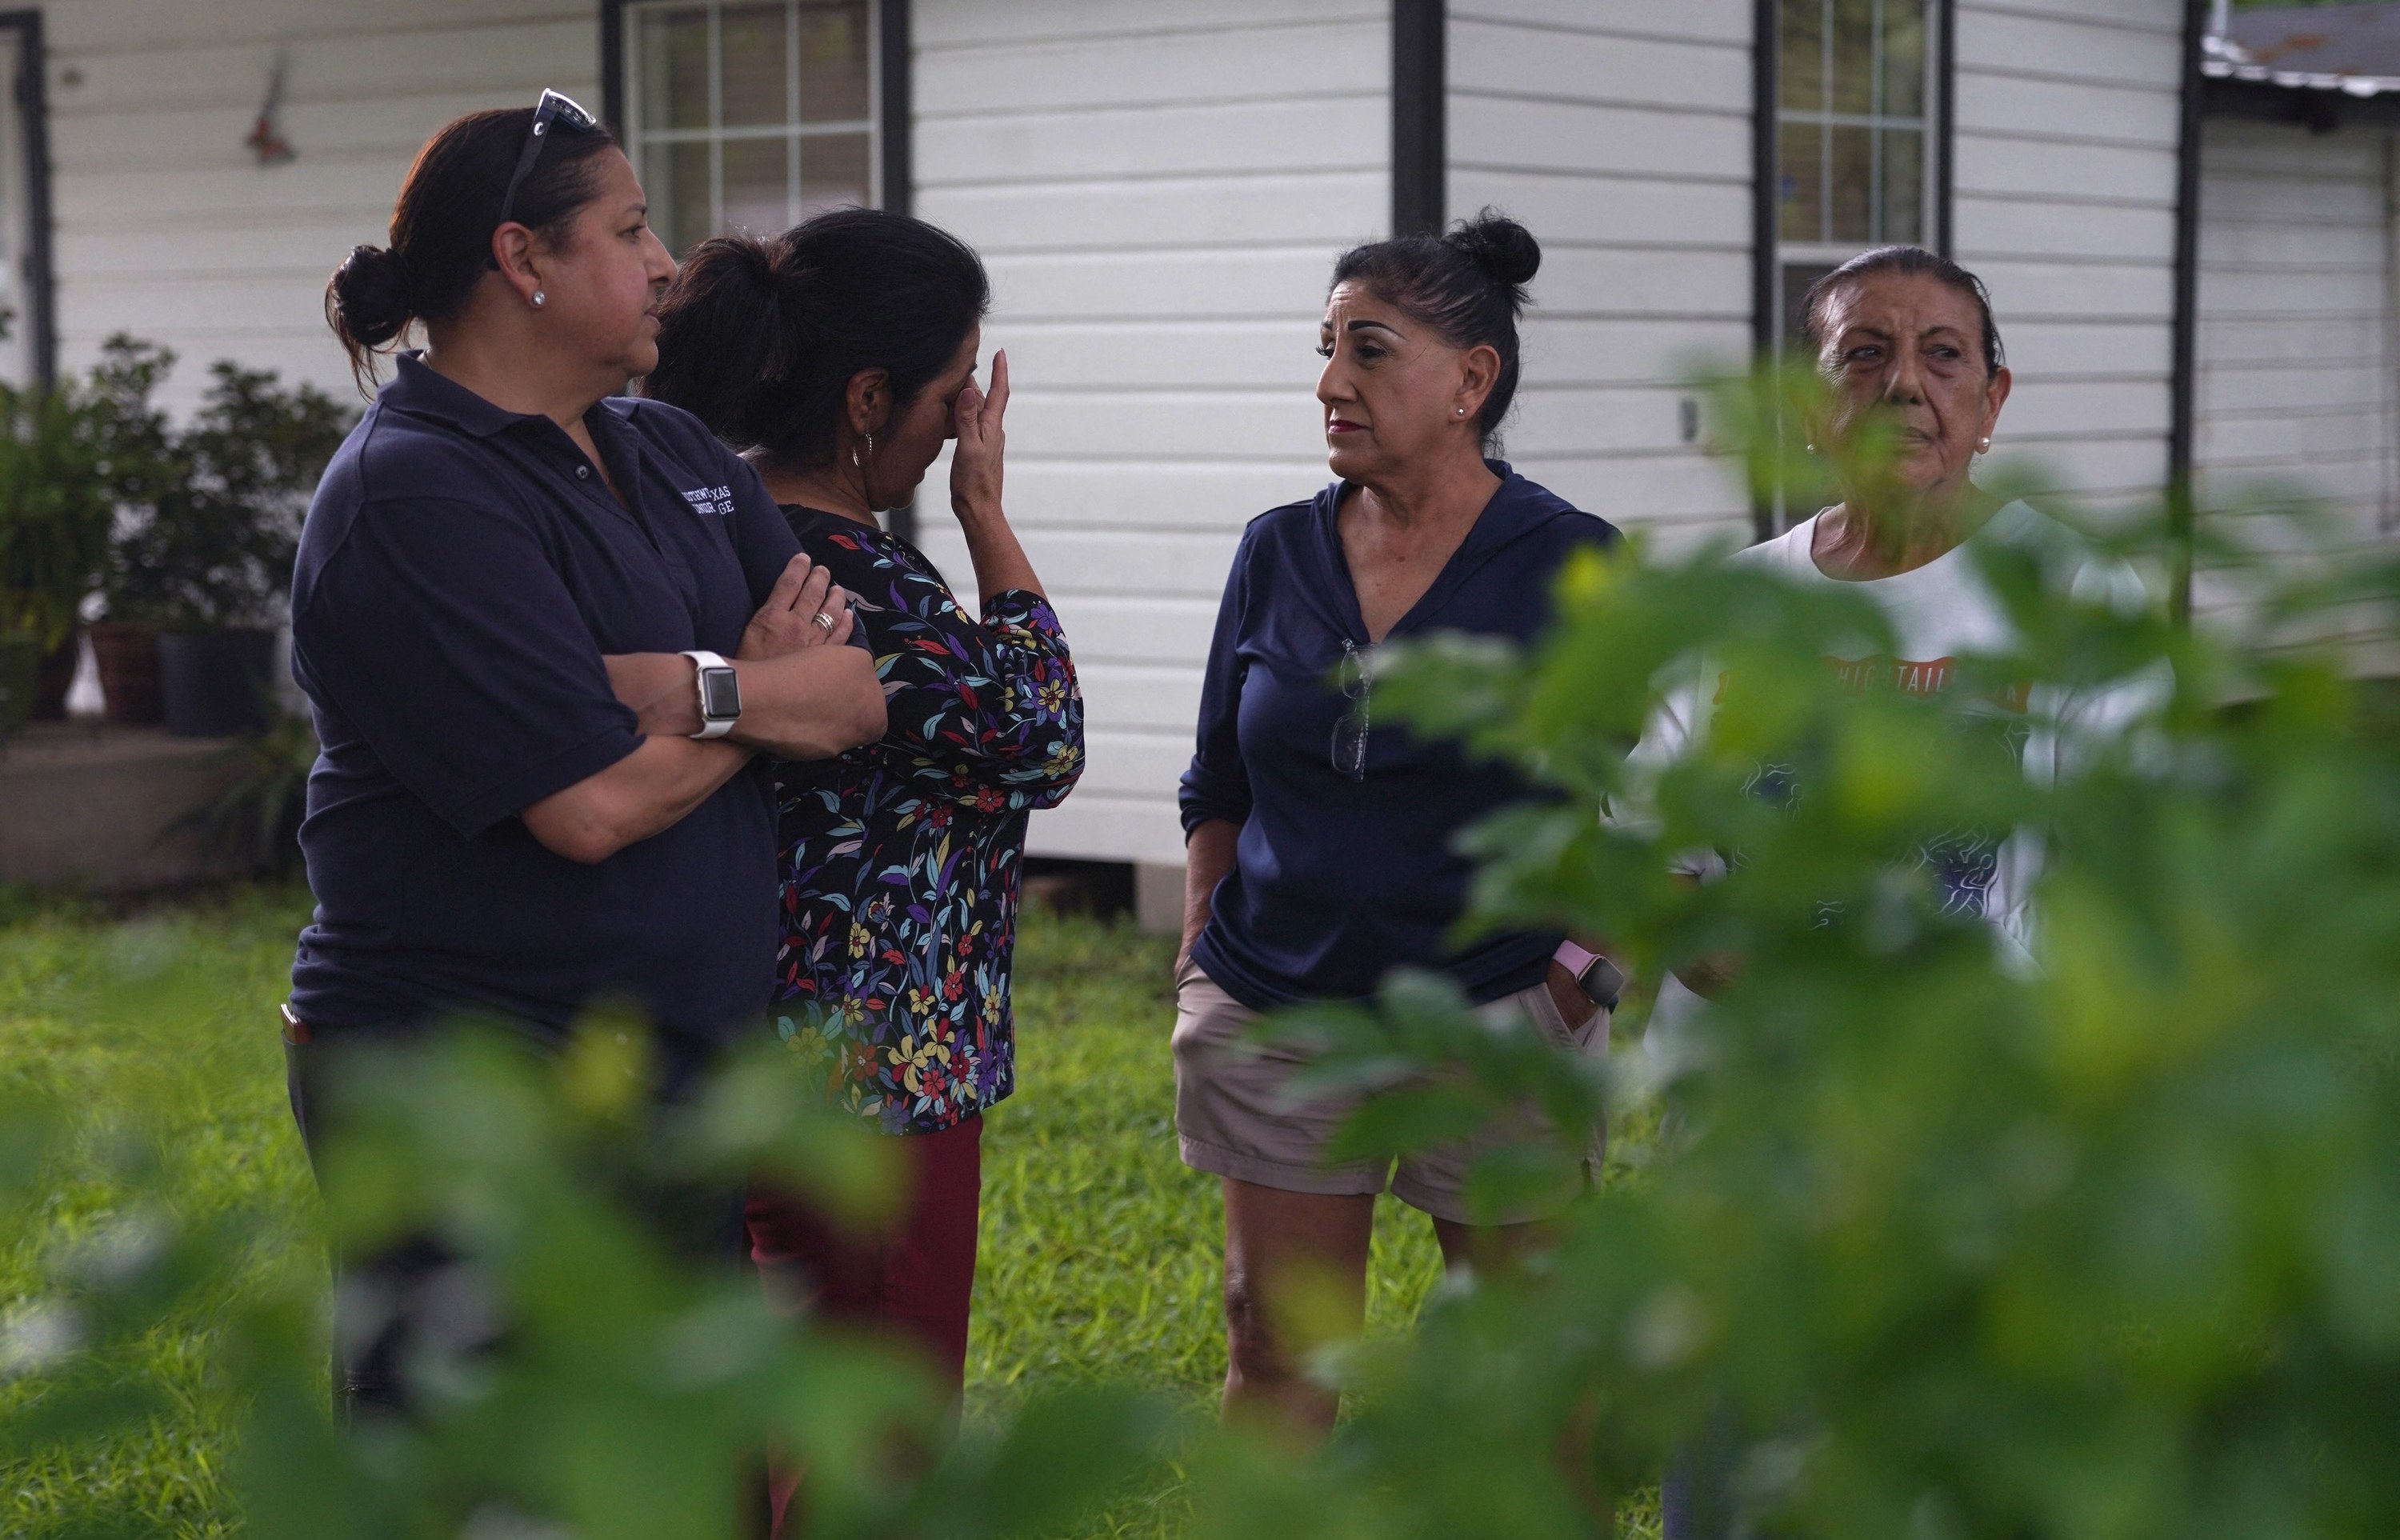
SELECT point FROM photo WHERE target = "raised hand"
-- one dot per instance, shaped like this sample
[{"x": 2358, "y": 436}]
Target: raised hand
[{"x": 976, "y": 464}]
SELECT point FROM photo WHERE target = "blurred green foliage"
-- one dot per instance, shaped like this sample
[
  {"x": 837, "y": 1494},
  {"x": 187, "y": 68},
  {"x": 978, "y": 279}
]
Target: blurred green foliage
[
  {"x": 1925, "y": 1245},
  {"x": 55, "y": 508},
  {"x": 1938, "y": 1247},
  {"x": 212, "y": 508}
]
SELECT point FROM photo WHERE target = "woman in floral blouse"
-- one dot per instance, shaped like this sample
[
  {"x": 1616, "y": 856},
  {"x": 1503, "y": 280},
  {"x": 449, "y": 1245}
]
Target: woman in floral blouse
[{"x": 841, "y": 356}]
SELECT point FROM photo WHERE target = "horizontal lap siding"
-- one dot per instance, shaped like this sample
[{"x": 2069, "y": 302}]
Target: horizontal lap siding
[
  {"x": 166, "y": 226},
  {"x": 1619, "y": 134},
  {"x": 1159, "y": 191},
  {"x": 2064, "y": 202},
  {"x": 2295, "y": 385}
]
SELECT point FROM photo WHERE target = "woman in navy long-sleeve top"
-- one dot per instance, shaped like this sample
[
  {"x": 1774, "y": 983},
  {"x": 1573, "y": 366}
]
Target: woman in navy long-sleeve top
[{"x": 1320, "y": 839}]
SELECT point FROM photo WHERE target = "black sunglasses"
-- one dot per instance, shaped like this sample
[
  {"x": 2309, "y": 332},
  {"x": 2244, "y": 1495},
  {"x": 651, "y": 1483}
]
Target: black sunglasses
[{"x": 553, "y": 107}]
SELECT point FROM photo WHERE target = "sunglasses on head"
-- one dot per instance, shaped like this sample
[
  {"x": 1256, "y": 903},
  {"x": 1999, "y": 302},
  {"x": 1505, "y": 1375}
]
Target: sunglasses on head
[{"x": 553, "y": 107}]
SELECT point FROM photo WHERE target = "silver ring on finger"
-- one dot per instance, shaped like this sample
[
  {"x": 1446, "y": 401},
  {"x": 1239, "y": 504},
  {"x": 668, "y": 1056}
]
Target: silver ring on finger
[{"x": 823, "y": 619}]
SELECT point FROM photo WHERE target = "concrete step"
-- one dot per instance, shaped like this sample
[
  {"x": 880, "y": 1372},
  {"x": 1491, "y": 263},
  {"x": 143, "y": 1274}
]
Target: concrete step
[{"x": 94, "y": 807}]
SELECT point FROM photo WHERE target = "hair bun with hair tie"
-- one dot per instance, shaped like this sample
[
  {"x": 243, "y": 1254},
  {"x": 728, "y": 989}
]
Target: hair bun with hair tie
[
  {"x": 369, "y": 294},
  {"x": 1498, "y": 244}
]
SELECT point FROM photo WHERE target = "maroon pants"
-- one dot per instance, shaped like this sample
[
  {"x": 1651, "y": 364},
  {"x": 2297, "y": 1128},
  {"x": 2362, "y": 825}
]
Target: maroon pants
[{"x": 909, "y": 1282}]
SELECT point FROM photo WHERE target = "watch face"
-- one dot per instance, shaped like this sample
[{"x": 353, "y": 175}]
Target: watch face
[
  {"x": 1604, "y": 983},
  {"x": 720, "y": 694}
]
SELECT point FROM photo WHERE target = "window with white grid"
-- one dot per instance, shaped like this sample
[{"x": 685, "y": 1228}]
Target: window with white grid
[
  {"x": 749, "y": 115},
  {"x": 1855, "y": 125}
]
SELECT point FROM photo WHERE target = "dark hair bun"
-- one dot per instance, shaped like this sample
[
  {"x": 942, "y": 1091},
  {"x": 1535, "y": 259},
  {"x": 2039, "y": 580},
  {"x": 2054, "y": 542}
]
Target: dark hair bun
[
  {"x": 1498, "y": 245},
  {"x": 367, "y": 302}
]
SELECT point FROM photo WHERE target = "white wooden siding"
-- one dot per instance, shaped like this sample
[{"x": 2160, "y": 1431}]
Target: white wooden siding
[
  {"x": 2299, "y": 384},
  {"x": 1159, "y": 190},
  {"x": 2065, "y": 203},
  {"x": 167, "y": 227},
  {"x": 1619, "y": 134}
]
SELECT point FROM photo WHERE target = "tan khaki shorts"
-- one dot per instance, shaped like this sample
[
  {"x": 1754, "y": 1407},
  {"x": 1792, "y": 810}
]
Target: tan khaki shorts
[{"x": 1232, "y": 1117}]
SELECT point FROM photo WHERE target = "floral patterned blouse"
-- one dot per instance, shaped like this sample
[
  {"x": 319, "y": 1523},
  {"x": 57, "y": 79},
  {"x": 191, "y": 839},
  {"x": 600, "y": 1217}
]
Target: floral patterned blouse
[{"x": 900, "y": 860}]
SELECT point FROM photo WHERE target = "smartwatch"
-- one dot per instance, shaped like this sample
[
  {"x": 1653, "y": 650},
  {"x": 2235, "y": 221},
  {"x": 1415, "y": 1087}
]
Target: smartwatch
[
  {"x": 1602, "y": 981},
  {"x": 720, "y": 695}
]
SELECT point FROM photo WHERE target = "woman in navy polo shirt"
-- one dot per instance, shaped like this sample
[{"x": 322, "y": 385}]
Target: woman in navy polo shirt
[
  {"x": 518, "y": 602},
  {"x": 1320, "y": 838}
]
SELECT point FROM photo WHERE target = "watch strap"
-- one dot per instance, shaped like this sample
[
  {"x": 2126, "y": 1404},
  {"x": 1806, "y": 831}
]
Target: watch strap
[
  {"x": 703, "y": 660},
  {"x": 1574, "y": 959},
  {"x": 1602, "y": 981}
]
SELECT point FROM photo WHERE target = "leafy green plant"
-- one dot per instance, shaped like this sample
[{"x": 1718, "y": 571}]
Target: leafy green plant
[
  {"x": 629, "y": 1395},
  {"x": 1908, "y": 1240},
  {"x": 1931, "y": 1244},
  {"x": 213, "y": 508},
  {"x": 55, "y": 510},
  {"x": 256, "y": 817}
]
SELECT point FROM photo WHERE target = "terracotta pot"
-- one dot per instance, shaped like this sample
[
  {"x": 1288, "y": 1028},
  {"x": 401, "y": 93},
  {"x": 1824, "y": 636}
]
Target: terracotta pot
[
  {"x": 128, "y": 656},
  {"x": 55, "y": 678}
]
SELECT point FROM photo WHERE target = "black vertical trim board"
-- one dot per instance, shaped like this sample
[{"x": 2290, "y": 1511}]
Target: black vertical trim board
[
  {"x": 33, "y": 100},
  {"x": 1764, "y": 277},
  {"x": 1945, "y": 138},
  {"x": 1420, "y": 131},
  {"x": 612, "y": 65},
  {"x": 895, "y": 54},
  {"x": 895, "y": 57},
  {"x": 2185, "y": 347}
]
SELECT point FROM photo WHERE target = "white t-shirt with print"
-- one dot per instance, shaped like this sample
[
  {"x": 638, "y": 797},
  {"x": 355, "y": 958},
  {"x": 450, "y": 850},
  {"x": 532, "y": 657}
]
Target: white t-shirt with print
[{"x": 1940, "y": 613}]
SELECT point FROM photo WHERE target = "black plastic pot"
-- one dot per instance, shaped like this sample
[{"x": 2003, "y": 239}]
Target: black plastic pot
[
  {"x": 57, "y": 678},
  {"x": 20, "y": 660},
  {"x": 216, "y": 683}
]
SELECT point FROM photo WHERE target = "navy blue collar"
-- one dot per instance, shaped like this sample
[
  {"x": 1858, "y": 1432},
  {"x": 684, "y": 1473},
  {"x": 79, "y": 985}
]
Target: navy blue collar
[{"x": 417, "y": 389}]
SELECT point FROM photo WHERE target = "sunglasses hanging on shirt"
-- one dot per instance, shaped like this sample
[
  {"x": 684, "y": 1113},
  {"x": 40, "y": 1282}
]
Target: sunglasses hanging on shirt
[{"x": 1350, "y": 730}]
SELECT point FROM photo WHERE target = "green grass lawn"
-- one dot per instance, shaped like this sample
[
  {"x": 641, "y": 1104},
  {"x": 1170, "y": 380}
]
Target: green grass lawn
[{"x": 1100, "y": 1250}]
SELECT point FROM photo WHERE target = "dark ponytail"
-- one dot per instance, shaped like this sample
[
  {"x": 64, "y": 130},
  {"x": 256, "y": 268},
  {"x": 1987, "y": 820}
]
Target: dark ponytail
[
  {"x": 1469, "y": 284},
  {"x": 442, "y": 227},
  {"x": 760, "y": 339}
]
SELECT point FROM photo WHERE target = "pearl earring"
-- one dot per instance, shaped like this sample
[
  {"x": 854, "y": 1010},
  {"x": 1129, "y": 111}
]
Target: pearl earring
[
  {"x": 540, "y": 299},
  {"x": 1983, "y": 444}
]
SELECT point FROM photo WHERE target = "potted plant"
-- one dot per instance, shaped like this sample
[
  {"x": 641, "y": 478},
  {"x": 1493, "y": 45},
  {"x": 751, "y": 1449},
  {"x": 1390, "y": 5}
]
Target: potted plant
[
  {"x": 55, "y": 513},
  {"x": 210, "y": 559},
  {"x": 137, "y": 459}
]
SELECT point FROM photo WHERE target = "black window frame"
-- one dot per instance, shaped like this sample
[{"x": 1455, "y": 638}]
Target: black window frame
[
  {"x": 894, "y": 52},
  {"x": 1766, "y": 240},
  {"x": 896, "y": 179}
]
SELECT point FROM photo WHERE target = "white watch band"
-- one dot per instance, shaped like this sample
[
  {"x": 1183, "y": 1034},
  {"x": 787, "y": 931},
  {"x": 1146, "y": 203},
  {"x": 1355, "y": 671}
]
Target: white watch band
[
  {"x": 709, "y": 726},
  {"x": 1573, "y": 958}
]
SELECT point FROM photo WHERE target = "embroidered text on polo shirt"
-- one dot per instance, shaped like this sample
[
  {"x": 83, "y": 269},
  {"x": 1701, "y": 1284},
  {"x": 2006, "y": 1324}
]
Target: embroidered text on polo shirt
[{"x": 718, "y": 500}]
